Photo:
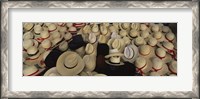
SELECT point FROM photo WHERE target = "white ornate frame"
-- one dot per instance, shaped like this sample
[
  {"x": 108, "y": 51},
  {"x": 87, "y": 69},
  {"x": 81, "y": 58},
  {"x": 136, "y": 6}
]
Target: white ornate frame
[{"x": 98, "y": 4}]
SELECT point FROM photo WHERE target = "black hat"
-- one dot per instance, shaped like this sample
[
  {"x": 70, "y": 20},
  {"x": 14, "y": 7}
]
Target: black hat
[{"x": 77, "y": 42}]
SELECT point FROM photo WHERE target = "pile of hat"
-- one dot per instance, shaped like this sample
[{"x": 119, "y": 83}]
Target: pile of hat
[{"x": 151, "y": 47}]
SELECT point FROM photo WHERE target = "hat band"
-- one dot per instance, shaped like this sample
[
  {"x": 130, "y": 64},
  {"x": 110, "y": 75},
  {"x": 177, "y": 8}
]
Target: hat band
[
  {"x": 168, "y": 39},
  {"x": 33, "y": 73},
  {"x": 168, "y": 50},
  {"x": 145, "y": 54},
  {"x": 78, "y": 25},
  {"x": 113, "y": 63},
  {"x": 139, "y": 70},
  {"x": 52, "y": 30},
  {"x": 70, "y": 67},
  {"x": 33, "y": 58},
  {"x": 31, "y": 27},
  {"x": 160, "y": 56},
  {"x": 156, "y": 69},
  {"x": 33, "y": 54},
  {"x": 41, "y": 39},
  {"x": 171, "y": 70},
  {"x": 62, "y": 25}
]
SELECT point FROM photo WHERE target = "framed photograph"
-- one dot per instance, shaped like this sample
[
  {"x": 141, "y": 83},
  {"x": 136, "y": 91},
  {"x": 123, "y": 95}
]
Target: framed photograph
[{"x": 105, "y": 49}]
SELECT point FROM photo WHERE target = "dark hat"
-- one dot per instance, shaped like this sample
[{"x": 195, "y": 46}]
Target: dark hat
[
  {"x": 102, "y": 49},
  {"x": 77, "y": 42}
]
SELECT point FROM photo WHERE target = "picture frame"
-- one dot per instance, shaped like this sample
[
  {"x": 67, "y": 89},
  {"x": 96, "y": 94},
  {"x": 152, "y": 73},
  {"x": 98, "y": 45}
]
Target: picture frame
[{"x": 6, "y": 5}]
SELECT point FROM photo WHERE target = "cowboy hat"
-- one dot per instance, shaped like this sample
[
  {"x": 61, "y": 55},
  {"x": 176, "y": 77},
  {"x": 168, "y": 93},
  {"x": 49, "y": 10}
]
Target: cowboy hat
[
  {"x": 143, "y": 27},
  {"x": 130, "y": 53},
  {"x": 143, "y": 65},
  {"x": 92, "y": 38},
  {"x": 52, "y": 72},
  {"x": 90, "y": 63},
  {"x": 28, "y": 35},
  {"x": 28, "y": 26},
  {"x": 69, "y": 63},
  {"x": 160, "y": 53},
  {"x": 63, "y": 46}
]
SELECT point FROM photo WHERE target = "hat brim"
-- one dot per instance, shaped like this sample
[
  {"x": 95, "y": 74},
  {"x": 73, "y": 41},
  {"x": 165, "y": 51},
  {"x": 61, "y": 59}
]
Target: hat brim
[
  {"x": 160, "y": 46},
  {"x": 114, "y": 54},
  {"x": 164, "y": 70},
  {"x": 135, "y": 50},
  {"x": 108, "y": 62},
  {"x": 52, "y": 70},
  {"x": 69, "y": 72},
  {"x": 151, "y": 54}
]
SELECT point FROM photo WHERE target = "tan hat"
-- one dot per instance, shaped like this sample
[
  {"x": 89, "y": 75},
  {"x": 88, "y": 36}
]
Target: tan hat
[
  {"x": 28, "y": 26},
  {"x": 33, "y": 53},
  {"x": 103, "y": 29},
  {"x": 92, "y": 38},
  {"x": 160, "y": 53},
  {"x": 29, "y": 42},
  {"x": 63, "y": 29},
  {"x": 143, "y": 65},
  {"x": 89, "y": 49},
  {"x": 69, "y": 24},
  {"x": 44, "y": 35},
  {"x": 123, "y": 33},
  {"x": 81, "y": 51},
  {"x": 86, "y": 29},
  {"x": 61, "y": 24},
  {"x": 124, "y": 26},
  {"x": 90, "y": 63},
  {"x": 155, "y": 28},
  {"x": 52, "y": 72},
  {"x": 63, "y": 46},
  {"x": 113, "y": 29},
  {"x": 57, "y": 38},
  {"x": 144, "y": 34},
  {"x": 38, "y": 29},
  {"x": 170, "y": 37},
  {"x": 72, "y": 30},
  {"x": 52, "y": 28},
  {"x": 102, "y": 39},
  {"x": 139, "y": 41},
  {"x": 135, "y": 26},
  {"x": 167, "y": 46},
  {"x": 127, "y": 41},
  {"x": 152, "y": 42},
  {"x": 69, "y": 63},
  {"x": 114, "y": 57},
  {"x": 116, "y": 44},
  {"x": 146, "y": 51},
  {"x": 159, "y": 36},
  {"x": 46, "y": 44},
  {"x": 130, "y": 53},
  {"x": 95, "y": 29},
  {"x": 28, "y": 35},
  {"x": 143, "y": 27},
  {"x": 133, "y": 33},
  {"x": 165, "y": 29},
  {"x": 68, "y": 36},
  {"x": 173, "y": 67},
  {"x": 30, "y": 70}
]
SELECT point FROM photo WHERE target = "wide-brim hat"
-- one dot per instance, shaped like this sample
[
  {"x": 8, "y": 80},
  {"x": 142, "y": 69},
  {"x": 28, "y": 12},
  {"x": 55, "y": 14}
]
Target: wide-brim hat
[
  {"x": 52, "y": 72},
  {"x": 170, "y": 37},
  {"x": 116, "y": 44},
  {"x": 104, "y": 30},
  {"x": 90, "y": 63},
  {"x": 138, "y": 41},
  {"x": 66, "y": 71},
  {"x": 114, "y": 53},
  {"x": 89, "y": 49},
  {"x": 32, "y": 70},
  {"x": 28, "y": 35},
  {"x": 114, "y": 64},
  {"x": 92, "y": 38},
  {"x": 132, "y": 50},
  {"x": 35, "y": 55},
  {"x": 102, "y": 39},
  {"x": 135, "y": 26},
  {"x": 163, "y": 55}
]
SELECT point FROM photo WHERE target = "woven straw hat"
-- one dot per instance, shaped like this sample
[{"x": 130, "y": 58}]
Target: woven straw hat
[
  {"x": 63, "y": 46},
  {"x": 143, "y": 65},
  {"x": 90, "y": 63},
  {"x": 159, "y": 36},
  {"x": 44, "y": 35},
  {"x": 69, "y": 63},
  {"x": 160, "y": 53},
  {"x": 95, "y": 29},
  {"x": 28, "y": 26},
  {"x": 92, "y": 38},
  {"x": 144, "y": 34},
  {"x": 52, "y": 72},
  {"x": 152, "y": 42},
  {"x": 165, "y": 29},
  {"x": 46, "y": 44},
  {"x": 102, "y": 39},
  {"x": 123, "y": 33},
  {"x": 143, "y": 27},
  {"x": 173, "y": 67},
  {"x": 103, "y": 29},
  {"x": 52, "y": 27},
  {"x": 114, "y": 57},
  {"x": 69, "y": 24},
  {"x": 89, "y": 49},
  {"x": 130, "y": 53},
  {"x": 167, "y": 46},
  {"x": 124, "y": 26},
  {"x": 68, "y": 36},
  {"x": 33, "y": 52},
  {"x": 146, "y": 51},
  {"x": 86, "y": 29},
  {"x": 169, "y": 37},
  {"x": 38, "y": 29},
  {"x": 135, "y": 26},
  {"x": 155, "y": 28},
  {"x": 114, "y": 52},
  {"x": 29, "y": 42},
  {"x": 139, "y": 41},
  {"x": 28, "y": 35},
  {"x": 133, "y": 33},
  {"x": 126, "y": 40},
  {"x": 72, "y": 30},
  {"x": 30, "y": 70}
]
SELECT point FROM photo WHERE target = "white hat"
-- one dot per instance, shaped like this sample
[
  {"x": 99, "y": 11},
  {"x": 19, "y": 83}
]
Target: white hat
[
  {"x": 144, "y": 34},
  {"x": 139, "y": 41},
  {"x": 167, "y": 46},
  {"x": 143, "y": 27},
  {"x": 44, "y": 35},
  {"x": 28, "y": 26},
  {"x": 173, "y": 67},
  {"x": 143, "y": 65},
  {"x": 113, "y": 52},
  {"x": 68, "y": 36},
  {"x": 52, "y": 72},
  {"x": 72, "y": 30},
  {"x": 152, "y": 41},
  {"x": 92, "y": 38},
  {"x": 159, "y": 36},
  {"x": 28, "y": 35},
  {"x": 103, "y": 29},
  {"x": 52, "y": 27},
  {"x": 165, "y": 29},
  {"x": 130, "y": 53},
  {"x": 38, "y": 29},
  {"x": 133, "y": 33},
  {"x": 102, "y": 39},
  {"x": 69, "y": 63},
  {"x": 135, "y": 26},
  {"x": 89, "y": 49},
  {"x": 46, "y": 44},
  {"x": 29, "y": 42},
  {"x": 33, "y": 52},
  {"x": 170, "y": 36},
  {"x": 155, "y": 28},
  {"x": 146, "y": 51},
  {"x": 63, "y": 46},
  {"x": 30, "y": 70},
  {"x": 90, "y": 63},
  {"x": 123, "y": 33},
  {"x": 115, "y": 35}
]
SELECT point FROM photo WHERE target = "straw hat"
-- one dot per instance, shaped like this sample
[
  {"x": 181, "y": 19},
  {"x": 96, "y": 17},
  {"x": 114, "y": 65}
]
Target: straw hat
[
  {"x": 146, "y": 51},
  {"x": 114, "y": 57},
  {"x": 144, "y": 34},
  {"x": 52, "y": 28},
  {"x": 33, "y": 52},
  {"x": 152, "y": 41},
  {"x": 63, "y": 46},
  {"x": 28, "y": 26},
  {"x": 68, "y": 36},
  {"x": 155, "y": 28},
  {"x": 157, "y": 64},
  {"x": 115, "y": 35},
  {"x": 30, "y": 70},
  {"x": 92, "y": 38},
  {"x": 123, "y": 33},
  {"x": 130, "y": 53},
  {"x": 103, "y": 29},
  {"x": 63, "y": 29},
  {"x": 86, "y": 29},
  {"x": 165, "y": 29},
  {"x": 143, "y": 65},
  {"x": 167, "y": 46},
  {"x": 69, "y": 63},
  {"x": 113, "y": 29},
  {"x": 89, "y": 49},
  {"x": 124, "y": 26},
  {"x": 126, "y": 40},
  {"x": 143, "y": 27},
  {"x": 81, "y": 51},
  {"x": 173, "y": 67},
  {"x": 72, "y": 30},
  {"x": 135, "y": 26},
  {"x": 159, "y": 36},
  {"x": 38, "y": 29},
  {"x": 90, "y": 63},
  {"x": 57, "y": 38},
  {"x": 52, "y": 72},
  {"x": 46, "y": 44},
  {"x": 44, "y": 35},
  {"x": 169, "y": 37},
  {"x": 160, "y": 53},
  {"x": 133, "y": 33},
  {"x": 61, "y": 24},
  {"x": 139, "y": 41},
  {"x": 79, "y": 25},
  {"x": 102, "y": 39},
  {"x": 47, "y": 24},
  {"x": 29, "y": 42},
  {"x": 116, "y": 25},
  {"x": 28, "y": 35},
  {"x": 116, "y": 44},
  {"x": 69, "y": 24},
  {"x": 154, "y": 74},
  {"x": 95, "y": 29},
  {"x": 106, "y": 24}
]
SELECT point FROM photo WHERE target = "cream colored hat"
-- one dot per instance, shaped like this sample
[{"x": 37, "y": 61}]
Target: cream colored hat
[
  {"x": 173, "y": 67},
  {"x": 69, "y": 24},
  {"x": 143, "y": 65},
  {"x": 92, "y": 38},
  {"x": 69, "y": 63},
  {"x": 133, "y": 33},
  {"x": 146, "y": 51},
  {"x": 46, "y": 44},
  {"x": 29, "y": 42},
  {"x": 114, "y": 57},
  {"x": 123, "y": 33},
  {"x": 139, "y": 41},
  {"x": 167, "y": 46},
  {"x": 38, "y": 29},
  {"x": 102, "y": 39},
  {"x": 68, "y": 36},
  {"x": 157, "y": 64},
  {"x": 116, "y": 25},
  {"x": 52, "y": 27},
  {"x": 165, "y": 29},
  {"x": 63, "y": 29},
  {"x": 160, "y": 53},
  {"x": 89, "y": 49},
  {"x": 28, "y": 26},
  {"x": 152, "y": 41},
  {"x": 33, "y": 52},
  {"x": 63, "y": 46},
  {"x": 30, "y": 70},
  {"x": 115, "y": 35},
  {"x": 28, "y": 35},
  {"x": 95, "y": 29},
  {"x": 72, "y": 30},
  {"x": 159, "y": 36},
  {"x": 135, "y": 26},
  {"x": 44, "y": 35},
  {"x": 113, "y": 52},
  {"x": 116, "y": 44},
  {"x": 103, "y": 29},
  {"x": 106, "y": 24},
  {"x": 86, "y": 29},
  {"x": 81, "y": 51},
  {"x": 124, "y": 26},
  {"x": 155, "y": 28},
  {"x": 143, "y": 27},
  {"x": 130, "y": 53},
  {"x": 113, "y": 29},
  {"x": 57, "y": 40},
  {"x": 170, "y": 37},
  {"x": 126, "y": 40},
  {"x": 52, "y": 72},
  {"x": 90, "y": 63},
  {"x": 144, "y": 34},
  {"x": 61, "y": 24}
]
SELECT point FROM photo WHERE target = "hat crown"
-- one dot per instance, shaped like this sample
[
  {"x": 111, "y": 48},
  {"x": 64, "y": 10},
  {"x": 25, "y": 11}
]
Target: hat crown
[
  {"x": 37, "y": 28},
  {"x": 160, "y": 52},
  {"x": 165, "y": 29},
  {"x": 145, "y": 34},
  {"x": 86, "y": 29},
  {"x": 28, "y": 26},
  {"x": 44, "y": 34},
  {"x": 145, "y": 49},
  {"x": 157, "y": 35},
  {"x": 92, "y": 38},
  {"x": 72, "y": 28},
  {"x": 29, "y": 70},
  {"x": 133, "y": 33},
  {"x": 102, "y": 39},
  {"x": 68, "y": 36},
  {"x": 28, "y": 35},
  {"x": 152, "y": 41},
  {"x": 143, "y": 27},
  {"x": 168, "y": 45},
  {"x": 173, "y": 65},
  {"x": 71, "y": 60},
  {"x": 116, "y": 44},
  {"x": 170, "y": 36},
  {"x": 123, "y": 33},
  {"x": 128, "y": 52},
  {"x": 56, "y": 35},
  {"x": 51, "y": 26},
  {"x": 155, "y": 28},
  {"x": 157, "y": 63},
  {"x": 126, "y": 40},
  {"x": 140, "y": 62},
  {"x": 69, "y": 24},
  {"x": 103, "y": 29},
  {"x": 95, "y": 28},
  {"x": 63, "y": 46},
  {"x": 46, "y": 43},
  {"x": 125, "y": 25},
  {"x": 139, "y": 40},
  {"x": 112, "y": 29},
  {"x": 89, "y": 48},
  {"x": 28, "y": 43},
  {"x": 32, "y": 50}
]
